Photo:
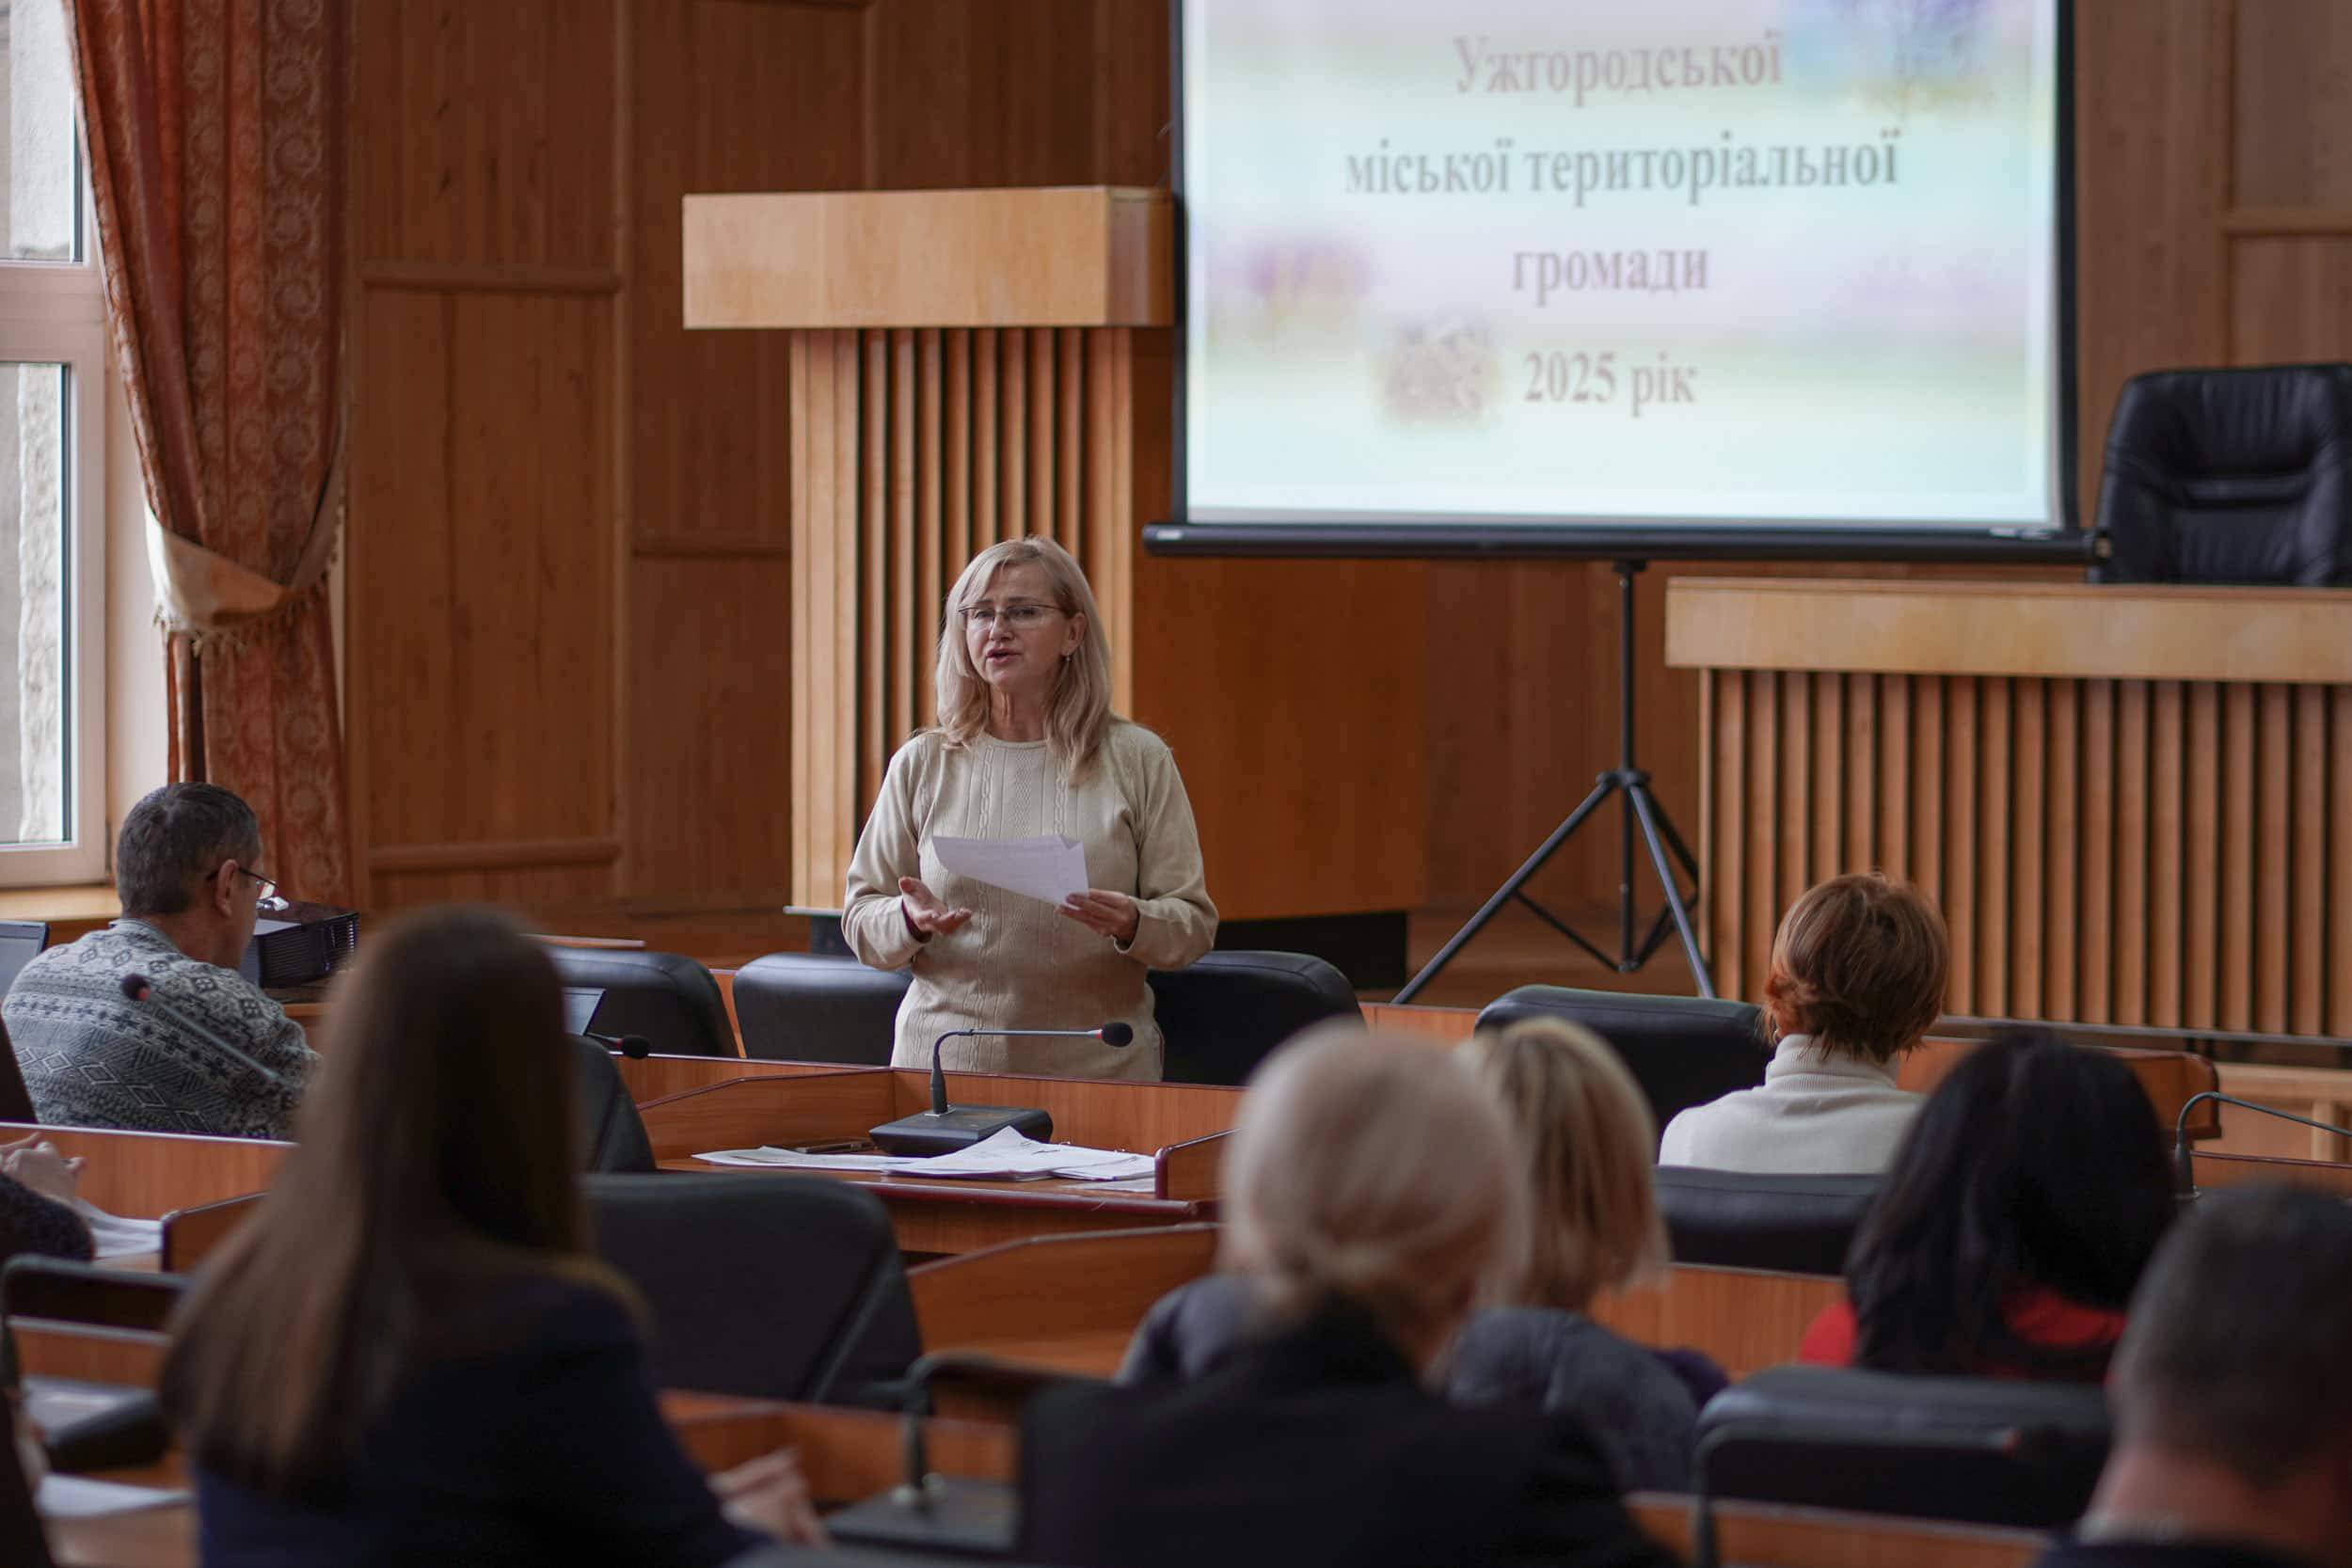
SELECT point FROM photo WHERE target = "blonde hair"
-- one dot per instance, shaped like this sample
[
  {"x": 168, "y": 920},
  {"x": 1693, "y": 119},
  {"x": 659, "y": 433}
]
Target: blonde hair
[
  {"x": 1860, "y": 963},
  {"x": 1374, "y": 1169},
  {"x": 1588, "y": 1138},
  {"x": 1078, "y": 715}
]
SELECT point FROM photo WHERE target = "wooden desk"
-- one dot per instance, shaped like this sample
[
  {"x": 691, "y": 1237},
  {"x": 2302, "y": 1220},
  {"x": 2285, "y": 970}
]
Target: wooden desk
[
  {"x": 1180, "y": 1125},
  {"x": 2134, "y": 804},
  {"x": 148, "y": 1174},
  {"x": 1744, "y": 1319},
  {"x": 1064, "y": 1303},
  {"x": 845, "y": 1455}
]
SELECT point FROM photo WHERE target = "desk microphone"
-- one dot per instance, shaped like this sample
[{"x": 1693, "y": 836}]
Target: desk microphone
[
  {"x": 946, "y": 1128},
  {"x": 139, "y": 989},
  {"x": 2183, "y": 1159},
  {"x": 635, "y": 1046}
]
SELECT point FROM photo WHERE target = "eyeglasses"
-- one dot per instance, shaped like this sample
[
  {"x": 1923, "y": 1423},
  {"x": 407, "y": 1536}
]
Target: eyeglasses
[
  {"x": 1019, "y": 615},
  {"x": 269, "y": 898}
]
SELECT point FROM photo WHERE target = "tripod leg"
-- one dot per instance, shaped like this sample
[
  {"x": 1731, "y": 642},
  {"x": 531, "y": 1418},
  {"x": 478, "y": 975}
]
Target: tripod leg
[
  {"x": 1508, "y": 890},
  {"x": 1651, "y": 817}
]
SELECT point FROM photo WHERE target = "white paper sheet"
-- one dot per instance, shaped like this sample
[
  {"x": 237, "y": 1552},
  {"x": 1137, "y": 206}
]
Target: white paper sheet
[
  {"x": 1003, "y": 1156},
  {"x": 78, "y": 1497},
  {"x": 113, "y": 1236},
  {"x": 1048, "y": 867}
]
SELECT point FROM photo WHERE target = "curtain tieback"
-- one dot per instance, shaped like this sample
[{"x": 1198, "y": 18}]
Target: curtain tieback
[{"x": 203, "y": 596}]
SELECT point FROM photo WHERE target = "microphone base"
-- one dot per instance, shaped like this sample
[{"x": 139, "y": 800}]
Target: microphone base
[{"x": 960, "y": 1128}]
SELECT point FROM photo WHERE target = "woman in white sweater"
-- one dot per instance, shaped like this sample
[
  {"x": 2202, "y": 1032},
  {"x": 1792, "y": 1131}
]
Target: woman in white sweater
[
  {"x": 1857, "y": 977},
  {"x": 1027, "y": 744}
]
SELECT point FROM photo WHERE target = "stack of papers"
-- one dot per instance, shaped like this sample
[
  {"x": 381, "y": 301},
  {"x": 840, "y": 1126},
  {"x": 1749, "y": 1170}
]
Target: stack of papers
[
  {"x": 113, "y": 1236},
  {"x": 78, "y": 1497},
  {"x": 1003, "y": 1156}
]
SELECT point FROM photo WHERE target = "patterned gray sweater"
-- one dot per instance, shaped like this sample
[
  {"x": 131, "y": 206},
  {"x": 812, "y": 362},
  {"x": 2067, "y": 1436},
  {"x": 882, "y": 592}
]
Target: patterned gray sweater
[{"x": 92, "y": 1057}]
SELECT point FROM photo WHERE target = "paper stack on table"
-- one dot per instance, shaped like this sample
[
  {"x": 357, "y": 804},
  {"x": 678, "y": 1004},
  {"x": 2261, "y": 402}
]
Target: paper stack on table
[
  {"x": 1004, "y": 1156},
  {"x": 1050, "y": 867},
  {"x": 79, "y": 1497}
]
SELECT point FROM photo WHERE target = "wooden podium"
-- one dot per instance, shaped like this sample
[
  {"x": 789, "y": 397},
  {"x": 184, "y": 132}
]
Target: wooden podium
[
  {"x": 960, "y": 372},
  {"x": 2135, "y": 805}
]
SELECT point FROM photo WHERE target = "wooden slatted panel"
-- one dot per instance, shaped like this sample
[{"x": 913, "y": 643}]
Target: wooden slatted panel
[
  {"x": 2167, "y": 782},
  {"x": 2029, "y": 844},
  {"x": 2308, "y": 983},
  {"x": 1958, "y": 828},
  {"x": 2130, "y": 928},
  {"x": 912, "y": 450},
  {"x": 2161, "y": 853},
  {"x": 1996, "y": 815}
]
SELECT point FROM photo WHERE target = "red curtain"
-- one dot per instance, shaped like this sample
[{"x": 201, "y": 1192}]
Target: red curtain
[{"x": 215, "y": 134}]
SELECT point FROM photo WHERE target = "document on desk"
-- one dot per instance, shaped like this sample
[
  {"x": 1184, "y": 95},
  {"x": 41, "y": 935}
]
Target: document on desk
[
  {"x": 1004, "y": 1156},
  {"x": 1048, "y": 867},
  {"x": 76, "y": 1497},
  {"x": 114, "y": 1236}
]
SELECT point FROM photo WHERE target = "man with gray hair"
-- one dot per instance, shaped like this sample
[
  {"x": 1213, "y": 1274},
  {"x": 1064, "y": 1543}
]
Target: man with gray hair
[
  {"x": 2233, "y": 1396},
  {"x": 205, "y": 1050}
]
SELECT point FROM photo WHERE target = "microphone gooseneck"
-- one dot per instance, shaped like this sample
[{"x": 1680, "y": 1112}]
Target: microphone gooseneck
[
  {"x": 139, "y": 988},
  {"x": 2184, "y": 1160},
  {"x": 1114, "y": 1034}
]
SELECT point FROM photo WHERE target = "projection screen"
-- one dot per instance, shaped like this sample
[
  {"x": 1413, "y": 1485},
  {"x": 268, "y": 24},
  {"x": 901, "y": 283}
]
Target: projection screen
[{"x": 1649, "y": 272}]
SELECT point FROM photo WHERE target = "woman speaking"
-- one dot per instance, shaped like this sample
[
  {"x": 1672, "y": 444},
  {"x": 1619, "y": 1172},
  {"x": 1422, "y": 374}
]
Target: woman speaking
[{"x": 1027, "y": 744}]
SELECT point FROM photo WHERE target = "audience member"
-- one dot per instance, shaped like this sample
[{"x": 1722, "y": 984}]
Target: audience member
[
  {"x": 2015, "y": 1223},
  {"x": 38, "y": 1186},
  {"x": 1585, "y": 1134},
  {"x": 208, "y": 1051},
  {"x": 2233, "y": 1448},
  {"x": 409, "y": 1355},
  {"x": 1372, "y": 1197},
  {"x": 1857, "y": 976}
]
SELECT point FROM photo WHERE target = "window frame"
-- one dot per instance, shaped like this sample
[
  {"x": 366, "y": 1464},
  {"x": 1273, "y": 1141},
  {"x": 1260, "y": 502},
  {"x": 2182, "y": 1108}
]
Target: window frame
[{"x": 55, "y": 312}]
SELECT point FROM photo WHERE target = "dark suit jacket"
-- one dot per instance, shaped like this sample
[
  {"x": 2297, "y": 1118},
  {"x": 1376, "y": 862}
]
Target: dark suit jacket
[{"x": 1316, "y": 1445}]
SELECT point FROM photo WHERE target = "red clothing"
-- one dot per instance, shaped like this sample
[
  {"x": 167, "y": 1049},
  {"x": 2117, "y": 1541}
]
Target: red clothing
[{"x": 2039, "y": 1317}]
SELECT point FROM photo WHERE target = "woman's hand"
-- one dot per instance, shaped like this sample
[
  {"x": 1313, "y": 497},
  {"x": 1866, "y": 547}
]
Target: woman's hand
[
  {"x": 34, "y": 1162},
  {"x": 927, "y": 914},
  {"x": 1112, "y": 914},
  {"x": 767, "y": 1494}
]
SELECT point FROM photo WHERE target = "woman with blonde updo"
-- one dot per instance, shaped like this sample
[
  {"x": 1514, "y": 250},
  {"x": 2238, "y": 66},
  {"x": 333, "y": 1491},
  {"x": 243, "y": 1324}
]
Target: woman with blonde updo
[
  {"x": 1858, "y": 971},
  {"x": 1026, "y": 745},
  {"x": 1372, "y": 1197}
]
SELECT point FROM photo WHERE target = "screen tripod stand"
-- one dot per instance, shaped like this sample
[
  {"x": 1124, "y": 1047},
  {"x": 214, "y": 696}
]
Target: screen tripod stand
[{"x": 1638, "y": 806}]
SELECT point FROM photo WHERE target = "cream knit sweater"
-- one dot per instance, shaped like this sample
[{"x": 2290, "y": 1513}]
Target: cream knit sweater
[{"x": 1019, "y": 963}]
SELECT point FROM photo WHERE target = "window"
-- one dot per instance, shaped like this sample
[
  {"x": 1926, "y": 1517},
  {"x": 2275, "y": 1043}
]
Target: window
[{"x": 53, "y": 380}]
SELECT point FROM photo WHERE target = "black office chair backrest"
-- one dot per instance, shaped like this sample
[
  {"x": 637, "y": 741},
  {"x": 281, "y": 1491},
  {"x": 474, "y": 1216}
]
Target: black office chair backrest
[
  {"x": 1978, "y": 1450},
  {"x": 21, "y": 1538},
  {"x": 16, "y": 1100},
  {"x": 1222, "y": 1015},
  {"x": 776, "y": 1287},
  {"x": 1741, "y": 1220},
  {"x": 2232, "y": 476},
  {"x": 19, "y": 940},
  {"x": 611, "y": 1133},
  {"x": 1683, "y": 1050},
  {"x": 668, "y": 998},
  {"x": 818, "y": 1008}
]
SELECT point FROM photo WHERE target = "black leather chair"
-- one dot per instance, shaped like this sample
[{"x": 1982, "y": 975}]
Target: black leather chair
[
  {"x": 817, "y": 1008},
  {"x": 782, "y": 1286},
  {"x": 22, "y": 1539},
  {"x": 1976, "y": 1449},
  {"x": 1223, "y": 1015},
  {"x": 2233, "y": 476},
  {"x": 669, "y": 999},
  {"x": 1738, "y": 1220},
  {"x": 611, "y": 1133},
  {"x": 1683, "y": 1050}
]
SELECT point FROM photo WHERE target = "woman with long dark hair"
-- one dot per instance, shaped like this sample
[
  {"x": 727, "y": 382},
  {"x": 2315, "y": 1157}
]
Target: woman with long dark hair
[
  {"x": 410, "y": 1355},
  {"x": 2017, "y": 1217}
]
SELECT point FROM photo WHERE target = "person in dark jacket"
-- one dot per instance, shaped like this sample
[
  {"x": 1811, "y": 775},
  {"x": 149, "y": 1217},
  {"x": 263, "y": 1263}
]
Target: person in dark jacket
[
  {"x": 1585, "y": 1135},
  {"x": 36, "y": 1191},
  {"x": 2233, "y": 1448},
  {"x": 1372, "y": 1197},
  {"x": 410, "y": 1355}
]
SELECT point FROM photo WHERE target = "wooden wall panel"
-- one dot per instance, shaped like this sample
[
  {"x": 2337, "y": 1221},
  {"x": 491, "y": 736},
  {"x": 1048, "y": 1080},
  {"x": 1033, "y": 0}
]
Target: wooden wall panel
[
  {"x": 483, "y": 132},
  {"x": 2294, "y": 73},
  {"x": 2130, "y": 883}
]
